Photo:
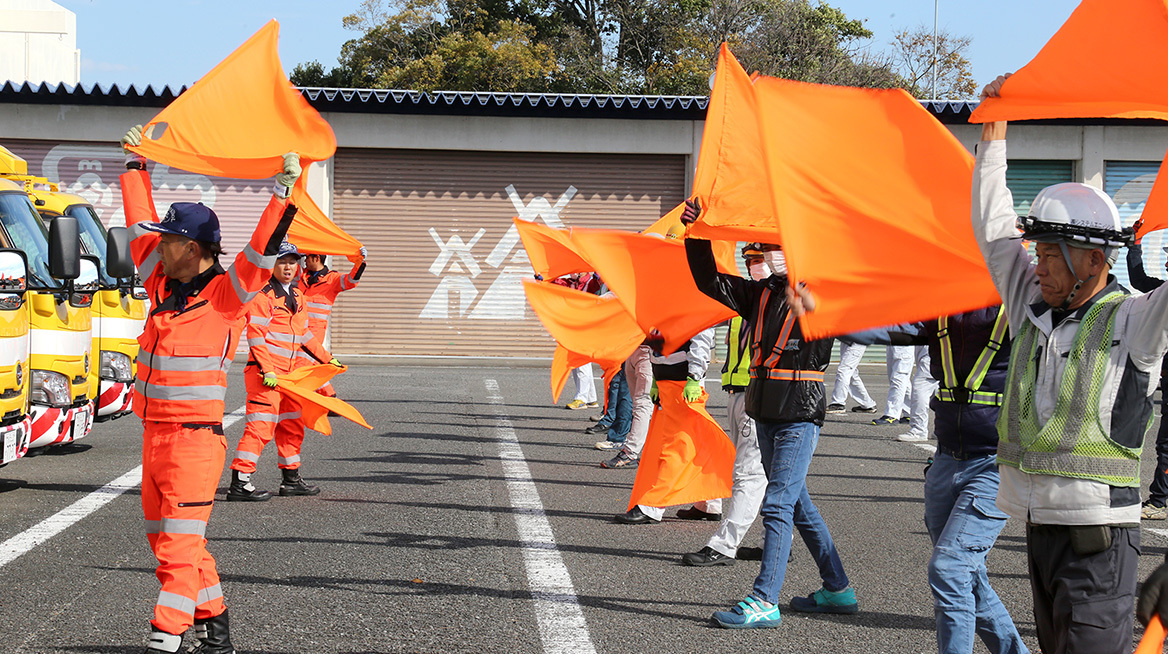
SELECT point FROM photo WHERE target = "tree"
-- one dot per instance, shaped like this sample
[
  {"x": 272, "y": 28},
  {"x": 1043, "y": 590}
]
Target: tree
[
  {"x": 595, "y": 46},
  {"x": 912, "y": 55}
]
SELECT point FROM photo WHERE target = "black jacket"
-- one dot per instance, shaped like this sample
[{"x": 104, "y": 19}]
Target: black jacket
[{"x": 764, "y": 305}]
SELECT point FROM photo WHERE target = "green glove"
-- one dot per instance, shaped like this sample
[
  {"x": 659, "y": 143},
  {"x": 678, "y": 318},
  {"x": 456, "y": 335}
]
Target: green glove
[
  {"x": 291, "y": 172},
  {"x": 654, "y": 394},
  {"x": 335, "y": 362},
  {"x": 270, "y": 379},
  {"x": 693, "y": 390},
  {"x": 132, "y": 137}
]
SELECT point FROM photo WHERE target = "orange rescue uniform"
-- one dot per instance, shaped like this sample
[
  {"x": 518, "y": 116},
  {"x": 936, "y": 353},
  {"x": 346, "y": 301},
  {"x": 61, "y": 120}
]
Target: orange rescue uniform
[
  {"x": 280, "y": 342},
  {"x": 185, "y": 349},
  {"x": 321, "y": 289}
]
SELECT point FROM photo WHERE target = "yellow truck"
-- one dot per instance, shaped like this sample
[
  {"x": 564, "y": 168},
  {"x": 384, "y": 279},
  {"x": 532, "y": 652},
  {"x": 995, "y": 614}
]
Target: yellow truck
[
  {"x": 119, "y": 307},
  {"x": 57, "y": 303}
]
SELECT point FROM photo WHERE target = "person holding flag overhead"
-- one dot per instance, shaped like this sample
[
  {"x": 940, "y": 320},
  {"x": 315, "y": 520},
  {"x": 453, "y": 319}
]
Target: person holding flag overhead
[
  {"x": 321, "y": 286},
  {"x": 786, "y": 398},
  {"x": 280, "y": 342},
  {"x": 186, "y": 345}
]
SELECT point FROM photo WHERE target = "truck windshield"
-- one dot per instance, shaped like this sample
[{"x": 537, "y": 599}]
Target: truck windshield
[
  {"x": 23, "y": 227},
  {"x": 92, "y": 237}
]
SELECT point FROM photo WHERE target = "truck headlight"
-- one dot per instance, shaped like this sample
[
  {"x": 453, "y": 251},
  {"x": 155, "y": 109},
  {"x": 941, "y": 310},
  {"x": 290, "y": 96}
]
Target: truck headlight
[
  {"x": 50, "y": 388},
  {"x": 115, "y": 366}
]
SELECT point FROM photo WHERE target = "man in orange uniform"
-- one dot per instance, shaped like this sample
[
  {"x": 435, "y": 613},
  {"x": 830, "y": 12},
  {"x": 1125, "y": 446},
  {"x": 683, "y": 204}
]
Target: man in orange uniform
[
  {"x": 186, "y": 346},
  {"x": 321, "y": 287},
  {"x": 280, "y": 342}
]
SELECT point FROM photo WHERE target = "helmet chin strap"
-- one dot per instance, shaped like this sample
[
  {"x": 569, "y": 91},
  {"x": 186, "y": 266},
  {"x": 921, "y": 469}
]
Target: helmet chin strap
[{"x": 1078, "y": 282}]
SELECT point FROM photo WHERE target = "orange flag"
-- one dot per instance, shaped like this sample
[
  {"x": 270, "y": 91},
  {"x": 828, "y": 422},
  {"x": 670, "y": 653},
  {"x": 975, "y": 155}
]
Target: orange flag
[
  {"x": 240, "y": 118},
  {"x": 301, "y": 385},
  {"x": 687, "y": 457},
  {"x": 314, "y": 233},
  {"x": 1153, "y": 640},
  {"x": 730, "y": 181},
  {"x": 1155, "y": 214},
  {"x": 1106, "y": 61},
  {"x": 550, "y": 250},
  {"x": 587, "y": 328},
  {"x": 651, "y": 279},
  {"x": 723, "y": 250},
  {"x": 873, "y": 200}
]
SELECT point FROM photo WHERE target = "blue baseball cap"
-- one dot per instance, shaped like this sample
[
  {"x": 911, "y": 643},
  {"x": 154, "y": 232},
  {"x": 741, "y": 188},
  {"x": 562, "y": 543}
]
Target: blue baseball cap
[
  {"x": 190, "y": 219},
  {"x": 287, "y": 249}
]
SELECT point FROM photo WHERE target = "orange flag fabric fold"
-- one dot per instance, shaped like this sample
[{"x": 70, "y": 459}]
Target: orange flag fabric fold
[
  {"x": 730, "y": 181},
  {"x": 872, "y": 195},
  {"x": 724, "y": 251},
  {"x": 651, "y": 279},
  {"x": 301, "y": 385},
  {"x": 550, "y": 250},
  {"x": 239, "y": 119},
  {"x": 1106, "y": 61},
  {"x": 315, "y": 233},
  {"x": 687, "y": 457}
]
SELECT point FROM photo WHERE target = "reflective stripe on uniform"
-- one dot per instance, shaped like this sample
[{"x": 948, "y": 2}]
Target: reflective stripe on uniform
[
  {"x": 176, "y": 602},
  {"x": 181, "y": 364},
  {"x": 243, "y": 295},
  {"x": 151, "y": 262},
  {"x": 320, "y": 305},
  {"x": 289, "y": 338},
  {"x": 137, "y": 231},
  {"x": 258, "y": 320},
  {"x": 209, "y": 593},
  {"x": 183, "y": 526},
  {"x": 288, "y": 460},
  {"x": 247, "y": 456},
  {"x": 271, "y": 417},
  {"x": 195, "y": 393},
  {"x": 968, "y": 393},
  {"x": 258, "y": 260},
  {"x": 780, "y": 374}
]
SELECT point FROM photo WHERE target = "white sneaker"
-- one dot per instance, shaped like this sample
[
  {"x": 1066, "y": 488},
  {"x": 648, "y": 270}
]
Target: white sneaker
[
  {"x": 912, "y": 438},
  {"x": 607, "y": 445}
]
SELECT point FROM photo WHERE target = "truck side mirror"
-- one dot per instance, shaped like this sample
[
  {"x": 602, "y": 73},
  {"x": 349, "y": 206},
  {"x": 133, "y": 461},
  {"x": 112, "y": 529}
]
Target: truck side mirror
[
  {"x": 13, "y": 279},
  {"x": 64, "y": 248},
  {"x": 118, "y": 262},
  {"x": 86, "y": 283}
]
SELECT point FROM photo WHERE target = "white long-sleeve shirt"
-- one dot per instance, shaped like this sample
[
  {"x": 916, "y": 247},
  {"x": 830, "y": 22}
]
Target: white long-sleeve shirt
[
  {"x": 697, "y": 357},
  {"x": 1140, "y": 338}
]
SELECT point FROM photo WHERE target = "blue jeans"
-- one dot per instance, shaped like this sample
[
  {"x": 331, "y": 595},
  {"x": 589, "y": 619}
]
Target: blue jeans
[
  {"x": 963, "y": 523},
  {"x": 786, "y": 449},
  {"x": 620, "y": 402}
]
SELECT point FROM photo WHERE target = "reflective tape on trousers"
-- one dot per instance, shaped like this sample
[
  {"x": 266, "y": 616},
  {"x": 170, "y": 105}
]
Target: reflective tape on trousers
[
  {"x": 209, "y": 593},
  {"x": 176, "y": 602}
]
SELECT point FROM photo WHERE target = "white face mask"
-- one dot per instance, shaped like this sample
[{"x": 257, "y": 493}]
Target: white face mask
[
  {"x": 776, "y": 260},
  {"x": 759, "y": 271}
]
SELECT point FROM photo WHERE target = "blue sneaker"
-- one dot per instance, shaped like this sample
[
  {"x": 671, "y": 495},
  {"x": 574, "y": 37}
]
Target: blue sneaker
[
  {"x": 750, "y": 613},
  {"x": 826, "y": 601}
]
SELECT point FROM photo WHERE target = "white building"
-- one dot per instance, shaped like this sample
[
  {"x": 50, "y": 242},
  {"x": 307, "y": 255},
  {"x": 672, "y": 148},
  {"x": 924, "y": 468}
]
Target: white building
[{"x": 38, "y": 43}]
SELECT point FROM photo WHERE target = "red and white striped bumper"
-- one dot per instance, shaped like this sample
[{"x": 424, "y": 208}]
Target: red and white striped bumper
[
  {"x": 115, "y": 399},
  {"x": 52, "y": 426},
  {"x": 14, "y": 440}
]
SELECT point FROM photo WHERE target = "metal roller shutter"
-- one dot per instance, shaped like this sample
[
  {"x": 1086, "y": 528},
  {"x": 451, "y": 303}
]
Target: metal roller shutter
[
  {"x": 1129, "y": 183},
  {"x": 1026, "y": 177},
  {"x": 91, "y": 170},
  {"x": 445, "y": 263}
]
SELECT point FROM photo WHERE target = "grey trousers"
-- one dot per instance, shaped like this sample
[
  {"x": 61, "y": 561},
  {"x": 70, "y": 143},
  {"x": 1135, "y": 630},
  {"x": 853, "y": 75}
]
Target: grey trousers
[{"x": 1083, "y": 604}]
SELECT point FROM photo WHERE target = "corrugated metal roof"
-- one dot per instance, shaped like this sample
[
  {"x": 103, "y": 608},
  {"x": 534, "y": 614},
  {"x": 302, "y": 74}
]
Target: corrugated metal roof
[{"x": 460, "y": 103}]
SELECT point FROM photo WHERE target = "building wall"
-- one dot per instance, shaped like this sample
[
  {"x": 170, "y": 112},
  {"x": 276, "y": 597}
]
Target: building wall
[{"x": 38, "y": 43}]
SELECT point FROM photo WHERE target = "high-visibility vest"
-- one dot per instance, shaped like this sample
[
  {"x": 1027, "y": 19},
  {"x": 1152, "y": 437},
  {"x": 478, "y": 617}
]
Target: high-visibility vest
[
  {"x": 184, "y": 352},
  {"x": 1071, "y": 443},
  {"x": 321, "y": 291},
  {"x": 736, "y": 370},
  {"x": 279, "y": 339},
  {"x": 769, "y": 368},
  {"x": 968, "y": 392}
]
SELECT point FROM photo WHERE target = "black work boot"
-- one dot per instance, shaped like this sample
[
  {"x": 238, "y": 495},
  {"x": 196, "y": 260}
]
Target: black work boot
[
  {"x": 163, "y": 643},
  {"x": 214, "y": 636},
  {"x": 293, "y": 484},
  {"x": 241, "y": 489}
]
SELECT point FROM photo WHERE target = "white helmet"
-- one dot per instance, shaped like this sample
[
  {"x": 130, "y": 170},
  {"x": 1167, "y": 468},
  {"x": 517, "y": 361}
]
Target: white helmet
[{"x": 1082, "y": 216}]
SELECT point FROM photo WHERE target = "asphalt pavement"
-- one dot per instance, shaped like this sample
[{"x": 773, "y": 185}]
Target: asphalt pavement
[{"x": 472, "y": 518}]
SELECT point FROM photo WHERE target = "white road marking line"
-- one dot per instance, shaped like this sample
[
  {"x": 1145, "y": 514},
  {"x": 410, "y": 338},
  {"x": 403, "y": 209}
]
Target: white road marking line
[
  {"x": 1162, "y": 533},
  {"x": 562, "y": 627},
  {"x": 25, "y": 541}
]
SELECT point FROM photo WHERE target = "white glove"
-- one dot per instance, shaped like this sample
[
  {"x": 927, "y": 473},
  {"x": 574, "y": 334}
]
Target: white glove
[
  {"x": 364, "y": 252},
  {"x": 133, "y": 137},
  {"x": 291, "y": 172}
]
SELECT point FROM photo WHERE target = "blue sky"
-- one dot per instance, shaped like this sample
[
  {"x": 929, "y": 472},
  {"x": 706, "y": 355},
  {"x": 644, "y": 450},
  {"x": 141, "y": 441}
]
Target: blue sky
[{"x": 176, "y": 41}]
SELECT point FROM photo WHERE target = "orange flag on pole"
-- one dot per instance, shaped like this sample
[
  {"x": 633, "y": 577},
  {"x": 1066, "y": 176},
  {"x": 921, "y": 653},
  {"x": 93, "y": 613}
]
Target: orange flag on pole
[
  {"x": 687, "y": 457},
  {"x": 730, "y": 181},
  {"x": 240, "y": 118},
  {"x": 872, "y": 195},
  {"x": 1106, "y": 61},
  {"x": 315, "y": 233},
  {"x": 650, "y": 277},
  {"x": 301, "y": 385}
]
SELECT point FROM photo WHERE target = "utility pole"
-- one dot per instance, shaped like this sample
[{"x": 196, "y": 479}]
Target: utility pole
[{"x": 935, "y": 3}]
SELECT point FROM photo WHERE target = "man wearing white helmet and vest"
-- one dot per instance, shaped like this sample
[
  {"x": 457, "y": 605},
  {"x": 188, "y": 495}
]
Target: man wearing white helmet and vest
[{"x": 1078, "y": 398}]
